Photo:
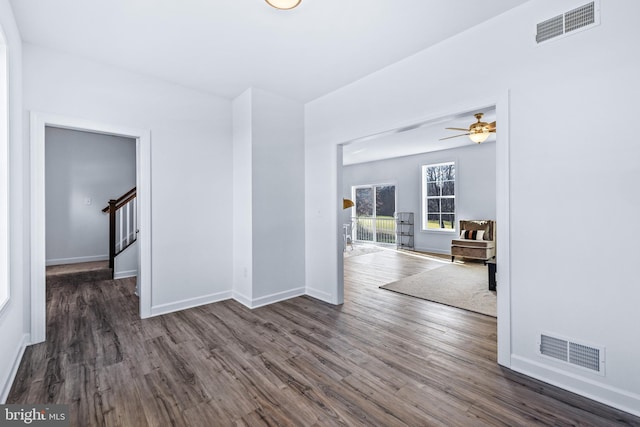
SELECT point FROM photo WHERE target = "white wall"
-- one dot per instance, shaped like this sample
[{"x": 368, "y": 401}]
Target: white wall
[
  {"x": 126, "y": 263},
  {"x": 242, "y": 199},
  {"x": 83, "y": 171},
  {"x": 475, "y": 187},
  {"x": 573, "y": 159},
  {"x": 191, "y": 164},
  {"x": 268, "y": 198},
  {"x": 278, "y": 196},
  {"x": 14, "y": 316}
]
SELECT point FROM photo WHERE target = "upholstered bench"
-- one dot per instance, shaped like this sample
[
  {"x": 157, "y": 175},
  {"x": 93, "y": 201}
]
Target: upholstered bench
[{"x": 477, "y": 240}]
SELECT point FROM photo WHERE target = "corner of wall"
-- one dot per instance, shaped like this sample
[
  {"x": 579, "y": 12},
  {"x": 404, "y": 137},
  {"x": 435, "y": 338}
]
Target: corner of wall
[
  {"x": 320, "y": 295},
  {"x": 161, "y": 309}
]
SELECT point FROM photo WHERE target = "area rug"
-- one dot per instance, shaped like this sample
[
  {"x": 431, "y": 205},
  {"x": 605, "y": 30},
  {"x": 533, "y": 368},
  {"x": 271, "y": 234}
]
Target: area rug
[
  {"x": 459, "y": 285},
  {"x": 361, "y": 249}
]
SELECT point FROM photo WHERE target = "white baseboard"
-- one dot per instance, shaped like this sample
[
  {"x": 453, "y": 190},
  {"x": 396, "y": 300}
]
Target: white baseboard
[
  {"x": 157, "y": 310},
  {"x": 242, "y": 299},
  {"x": 77, "y": 260},
  {"x": 321, "y": 295},
  {"x": 277, "y": 297},
  {"x": 125, "y": 274},
  {"x": 584, "y": 386},
  {"x": 8, "y": 382},
  {"x": 267, "y": 299}
]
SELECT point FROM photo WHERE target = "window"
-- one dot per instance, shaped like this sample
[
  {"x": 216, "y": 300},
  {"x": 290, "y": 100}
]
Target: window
[
  {"x": 439, "y": 196},
  {"x": 375, "y": 207},
  {"x": 4, "y": 176}
]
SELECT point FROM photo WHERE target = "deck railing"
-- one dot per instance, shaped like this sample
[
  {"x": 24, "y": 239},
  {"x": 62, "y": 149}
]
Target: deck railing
[{"x": 372, "y": 229}]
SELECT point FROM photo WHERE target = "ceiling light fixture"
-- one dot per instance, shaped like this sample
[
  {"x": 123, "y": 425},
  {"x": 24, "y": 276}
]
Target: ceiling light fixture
[
  {"x": 478, "y": 132},
  {"x": 479, "y": 136},
  {"x": 283, "y": 4}
]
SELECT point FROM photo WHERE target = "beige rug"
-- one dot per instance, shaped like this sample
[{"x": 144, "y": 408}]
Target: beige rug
[
  {"x": 361, "y": 249},
  {"x": 458, "y": 285}
]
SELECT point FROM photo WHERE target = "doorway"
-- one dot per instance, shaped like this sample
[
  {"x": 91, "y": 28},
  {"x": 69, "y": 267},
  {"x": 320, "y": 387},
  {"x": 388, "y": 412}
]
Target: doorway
[
  {"x": 375, "y": 207},
  {"x": 39, "y": 122},
  {"x": 83, "y": 171},
  {"x": 501, "y": 106}
]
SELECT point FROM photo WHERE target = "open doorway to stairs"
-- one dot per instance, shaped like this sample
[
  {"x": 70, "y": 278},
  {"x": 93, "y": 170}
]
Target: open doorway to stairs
[
  {"x": 39, "y": 125},
  {"x": 354, "y": 150},
  {"x": 83, "y": 172}
]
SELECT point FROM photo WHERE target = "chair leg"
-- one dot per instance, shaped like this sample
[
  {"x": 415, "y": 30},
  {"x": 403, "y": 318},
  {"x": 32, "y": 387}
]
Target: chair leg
[{"x": 453, "y": 257}]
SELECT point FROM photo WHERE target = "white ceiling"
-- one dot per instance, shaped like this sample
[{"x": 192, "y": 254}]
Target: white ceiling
[
  {"x": 225, "y": 46},
  {"x": 415, "y": 139}
]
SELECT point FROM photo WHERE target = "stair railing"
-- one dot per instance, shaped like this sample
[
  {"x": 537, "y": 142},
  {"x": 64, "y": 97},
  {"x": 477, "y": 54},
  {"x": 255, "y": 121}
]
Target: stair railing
[{"x": 123, "y": 227}]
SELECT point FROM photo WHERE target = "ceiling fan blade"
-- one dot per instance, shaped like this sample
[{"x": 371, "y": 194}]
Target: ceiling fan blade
[
  {"x": 455, "y": 136},
  {"x": 464, "y": 130},
  {"x": 492, "y": 127}
]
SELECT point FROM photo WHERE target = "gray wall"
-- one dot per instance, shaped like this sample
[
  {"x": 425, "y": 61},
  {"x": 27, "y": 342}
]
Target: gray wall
[
  {"x": 277, "y": 196},
  {"x": 268, "y": 202},
  {"x": 83, "y": 171},
  {"x": 475, "y": 187}
]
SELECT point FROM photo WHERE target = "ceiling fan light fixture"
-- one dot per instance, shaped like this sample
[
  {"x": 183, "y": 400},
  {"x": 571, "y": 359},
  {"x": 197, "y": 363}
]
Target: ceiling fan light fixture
[
  {"x": 283, "y": 4},
  {"x": 478, "y": 132},
  {"x": 479, "y": 137}
]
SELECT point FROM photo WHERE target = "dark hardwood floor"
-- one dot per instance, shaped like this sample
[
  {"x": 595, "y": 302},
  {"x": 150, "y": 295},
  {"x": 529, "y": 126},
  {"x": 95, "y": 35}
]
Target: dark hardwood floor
[{"x": 381, "y": 359}]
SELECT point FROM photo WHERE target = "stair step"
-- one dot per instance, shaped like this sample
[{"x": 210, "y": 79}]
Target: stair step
[{"x": 79, "y": 273}]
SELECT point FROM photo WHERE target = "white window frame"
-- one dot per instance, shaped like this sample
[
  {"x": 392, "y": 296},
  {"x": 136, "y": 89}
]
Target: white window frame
[
  {"x": 5, "y": 284},
  {"x": 424, "y": 217}
]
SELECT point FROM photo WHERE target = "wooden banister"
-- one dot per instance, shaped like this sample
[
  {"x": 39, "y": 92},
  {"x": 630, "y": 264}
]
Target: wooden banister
[
  {"x": 114, "y": 206},
  {"x": 112, "y": 232},
  {"x": 122, "y": 200}
]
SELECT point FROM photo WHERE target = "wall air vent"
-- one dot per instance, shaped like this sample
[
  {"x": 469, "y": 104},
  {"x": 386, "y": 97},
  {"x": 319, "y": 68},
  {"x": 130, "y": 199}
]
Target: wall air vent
[
  {"x": 550, "y": 28},
  {"x": 553, "y": 347},
  {"x": 580, "y": 18},
  {"x": 584, "y": 356}
]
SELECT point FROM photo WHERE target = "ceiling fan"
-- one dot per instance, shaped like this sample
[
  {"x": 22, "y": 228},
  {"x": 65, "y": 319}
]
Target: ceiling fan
[{"x": 477, "y": 132}]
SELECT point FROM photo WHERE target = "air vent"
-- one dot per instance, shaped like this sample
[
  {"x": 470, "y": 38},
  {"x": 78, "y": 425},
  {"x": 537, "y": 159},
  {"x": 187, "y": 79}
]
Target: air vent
[
  {"x": 553, "y": 347},
  {"x": 582, "y": 17},
  {"x": 581, "y": 355},
  {"x": 579, "y": 17},
  {"x": 587, "y": 357},
  {"x": 550, "y": 28}
]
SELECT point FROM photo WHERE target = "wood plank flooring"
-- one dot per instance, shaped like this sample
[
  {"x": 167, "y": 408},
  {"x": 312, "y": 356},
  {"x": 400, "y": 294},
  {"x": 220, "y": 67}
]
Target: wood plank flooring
[{"x": 381, "y": 359}]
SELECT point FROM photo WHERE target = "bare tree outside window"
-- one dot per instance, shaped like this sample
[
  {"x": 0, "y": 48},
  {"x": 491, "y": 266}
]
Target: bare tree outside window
[{"x": 375, "y": 207}]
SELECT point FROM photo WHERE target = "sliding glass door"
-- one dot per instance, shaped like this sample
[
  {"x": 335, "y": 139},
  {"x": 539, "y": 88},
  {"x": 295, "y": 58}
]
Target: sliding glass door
[{"x": 375, "y": 207}]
